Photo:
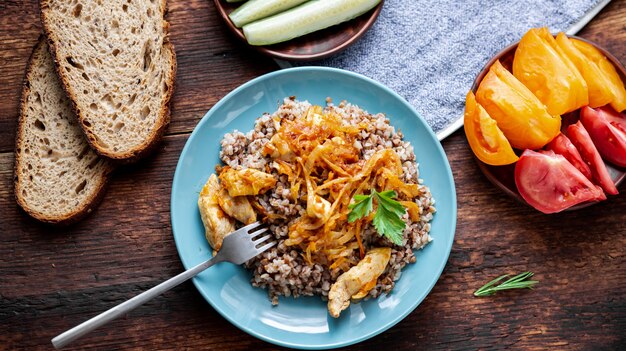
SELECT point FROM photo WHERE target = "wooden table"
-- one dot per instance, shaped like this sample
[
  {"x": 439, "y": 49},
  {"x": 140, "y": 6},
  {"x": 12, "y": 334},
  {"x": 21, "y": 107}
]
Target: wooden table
[{"x": 52, "y": 279}]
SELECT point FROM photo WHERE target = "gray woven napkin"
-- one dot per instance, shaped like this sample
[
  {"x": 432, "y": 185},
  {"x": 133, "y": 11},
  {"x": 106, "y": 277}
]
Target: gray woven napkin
[{"x": 429, "y": 52}]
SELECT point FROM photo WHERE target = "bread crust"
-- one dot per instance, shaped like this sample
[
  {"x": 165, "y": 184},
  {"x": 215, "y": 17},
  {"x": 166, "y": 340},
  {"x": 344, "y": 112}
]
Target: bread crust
[
  {"x": 88, "y": 206},
  {"x": 148, "y": 145}
]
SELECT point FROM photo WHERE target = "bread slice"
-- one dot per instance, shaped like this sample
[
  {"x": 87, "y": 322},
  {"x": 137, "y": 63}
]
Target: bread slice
[
  {"x": 117, "y": 66},
  {"x": 58, "y": 177}
]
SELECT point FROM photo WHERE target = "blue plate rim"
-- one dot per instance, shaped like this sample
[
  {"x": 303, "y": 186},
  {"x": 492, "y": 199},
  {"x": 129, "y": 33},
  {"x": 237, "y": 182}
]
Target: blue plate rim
[{"x": 268, "y": 76}]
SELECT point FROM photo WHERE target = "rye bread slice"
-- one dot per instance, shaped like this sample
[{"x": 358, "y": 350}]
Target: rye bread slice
[
  {"x": 58, "y": 177},
  {"x": 118, "y": 68}
]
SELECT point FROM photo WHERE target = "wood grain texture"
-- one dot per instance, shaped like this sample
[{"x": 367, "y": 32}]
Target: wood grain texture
[{"x": 52, "y": 279}]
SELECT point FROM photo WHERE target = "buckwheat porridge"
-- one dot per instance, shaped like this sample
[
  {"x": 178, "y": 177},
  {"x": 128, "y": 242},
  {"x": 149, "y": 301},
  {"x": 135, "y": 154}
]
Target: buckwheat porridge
[{"x": 340, "y": 191}]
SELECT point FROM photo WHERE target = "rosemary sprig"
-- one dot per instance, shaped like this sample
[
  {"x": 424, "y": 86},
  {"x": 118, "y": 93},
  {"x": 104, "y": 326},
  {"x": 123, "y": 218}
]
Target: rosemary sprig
[{"x": 517, "y": 282}]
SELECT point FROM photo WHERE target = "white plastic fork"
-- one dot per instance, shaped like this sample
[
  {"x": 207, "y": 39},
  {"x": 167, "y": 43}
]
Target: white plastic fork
[{"x": 238, "y": 247}]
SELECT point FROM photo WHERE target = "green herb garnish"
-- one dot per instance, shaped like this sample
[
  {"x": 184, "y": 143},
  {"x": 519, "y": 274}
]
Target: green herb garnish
[
  {"x": 517, "y": 282},
  {"x": 388, "y": 217}
]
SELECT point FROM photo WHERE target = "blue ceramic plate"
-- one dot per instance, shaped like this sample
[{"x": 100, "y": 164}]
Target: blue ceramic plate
[{"x": 304, "y": 322}]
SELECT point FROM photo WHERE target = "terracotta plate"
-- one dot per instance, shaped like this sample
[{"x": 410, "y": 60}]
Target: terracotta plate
[
  {"x": 313, "y": 46},
  {"x": 503, "y": 176}
]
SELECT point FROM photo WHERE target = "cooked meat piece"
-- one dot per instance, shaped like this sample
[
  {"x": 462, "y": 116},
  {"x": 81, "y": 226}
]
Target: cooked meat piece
[
  {"x": 217, "y": 224},
  {"x": 278, "y": 148},
  {"x": 246, "y": 181},
  {"x": 358, "y": 280},
  {"x": 238, "y": 207}
]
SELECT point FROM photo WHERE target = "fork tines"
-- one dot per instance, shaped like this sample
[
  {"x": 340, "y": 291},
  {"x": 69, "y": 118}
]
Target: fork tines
[
  {"x": 246, "y": 242},
  {"x": 256, "y": 231},
  {"x": 261, "y": 235}
]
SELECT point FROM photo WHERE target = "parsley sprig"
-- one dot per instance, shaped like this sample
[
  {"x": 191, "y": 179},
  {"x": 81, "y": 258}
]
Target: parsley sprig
[
  {"x": 517, "y": 282},
  {"x": 388, "y": 217}
]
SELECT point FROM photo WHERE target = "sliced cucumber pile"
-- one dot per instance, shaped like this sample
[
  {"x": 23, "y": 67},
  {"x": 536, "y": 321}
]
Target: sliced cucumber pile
[
  {"x": 256, "y": 9},
  {"x": 309, "y": 17}
]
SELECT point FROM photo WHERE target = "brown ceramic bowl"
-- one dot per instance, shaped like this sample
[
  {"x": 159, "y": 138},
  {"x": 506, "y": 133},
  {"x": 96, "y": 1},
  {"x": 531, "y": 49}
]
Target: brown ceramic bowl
[
  {"x": 503, "y": 176},
  {"x": 312, "y": 46}
]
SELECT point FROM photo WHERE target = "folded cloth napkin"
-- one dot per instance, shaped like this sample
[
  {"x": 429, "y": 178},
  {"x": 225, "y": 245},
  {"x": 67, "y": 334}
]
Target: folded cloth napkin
[{"x": 430, "y": 51}]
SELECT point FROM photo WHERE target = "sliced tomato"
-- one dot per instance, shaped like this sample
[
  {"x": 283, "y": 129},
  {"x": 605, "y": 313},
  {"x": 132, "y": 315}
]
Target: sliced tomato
[
  {"x": 542, "y": 67},
  {"x": 484, "y": 137},
  {"x": 607, "y": 134},
  {"x": 618, "y": 120},
  {"x": 564, "y": 147},
  {"x": 615, "y": 84},
  {"x": 581, "y": 139},
  {"x": 549, "y": 183},
  {"x": 598, "y": 84},
  {"x": 521, "y": 116}
]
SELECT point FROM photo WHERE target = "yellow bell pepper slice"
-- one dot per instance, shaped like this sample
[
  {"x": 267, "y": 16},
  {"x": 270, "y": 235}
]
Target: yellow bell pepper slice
[
  {"x": 615, "y": 82},
  {"x": 523, "y": 119},
  {"x": 551, "y": 76}
]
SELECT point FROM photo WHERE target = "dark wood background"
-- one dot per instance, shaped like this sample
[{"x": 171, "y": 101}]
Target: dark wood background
[{"x": 53, "y": 279}]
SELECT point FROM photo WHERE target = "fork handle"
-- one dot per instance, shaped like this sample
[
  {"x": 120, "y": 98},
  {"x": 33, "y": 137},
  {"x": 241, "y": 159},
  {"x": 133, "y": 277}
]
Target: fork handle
[{"x": 78, "y": 331}]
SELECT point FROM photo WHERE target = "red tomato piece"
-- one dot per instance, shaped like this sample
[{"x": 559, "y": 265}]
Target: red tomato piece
[
  {"x": 608, "y": 132},
  {"x": 549, "y": 183},
  {"x": 618, "y": 120},
  {"x": 564, "y": 147},
  {"x": 581, "y": 139}
]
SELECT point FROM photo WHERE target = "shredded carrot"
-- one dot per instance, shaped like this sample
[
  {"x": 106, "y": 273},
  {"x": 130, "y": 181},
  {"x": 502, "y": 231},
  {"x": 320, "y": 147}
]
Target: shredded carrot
[
  {"x": 335, "y": 167},
  {"x": 357, "y": 234},
  {"x": 335, "y": 181},
  {"x": 316, "y": 151}
]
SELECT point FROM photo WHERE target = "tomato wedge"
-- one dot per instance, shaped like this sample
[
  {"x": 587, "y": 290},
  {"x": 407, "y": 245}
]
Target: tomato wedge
[
  {"x": 608, "y": 132},
  {"x": 484, "y": 137},
  {"x": 617, "y": 119},
  {"x": 549, "y": 183},
  {"x": 564, "y": 147},
  {"x": 523, "y": 119},
  {"x": 599, "y": 87},
  {"x": 540, "y": 64},
  {"x": 581, "y": 139},
  {"x": 618, "y": 102}
]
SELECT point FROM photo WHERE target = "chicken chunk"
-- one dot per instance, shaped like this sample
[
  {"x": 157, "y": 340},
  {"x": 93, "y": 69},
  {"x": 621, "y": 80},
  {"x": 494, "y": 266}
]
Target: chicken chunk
[
  {"x": 217, "y": 224},
  {"x": 238, "y": 207},
  {"x": 278, "y": 148},
  {"x": 246, "y": 181},
  {"x": 318, "y": 207},
  {"x": 358, "y": 280}
]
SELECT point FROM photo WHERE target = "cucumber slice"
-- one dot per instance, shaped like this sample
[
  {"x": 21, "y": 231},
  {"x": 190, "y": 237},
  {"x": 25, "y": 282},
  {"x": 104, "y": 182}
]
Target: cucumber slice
[
  {"x": 235, "y": 0},
  {"x": 257, "y": 9},
  {"x": 304, "y": 19}
]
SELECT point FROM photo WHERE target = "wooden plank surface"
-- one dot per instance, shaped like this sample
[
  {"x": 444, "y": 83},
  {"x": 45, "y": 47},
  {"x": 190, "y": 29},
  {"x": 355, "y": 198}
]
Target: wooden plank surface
[{"x": 52, "y": 279}]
